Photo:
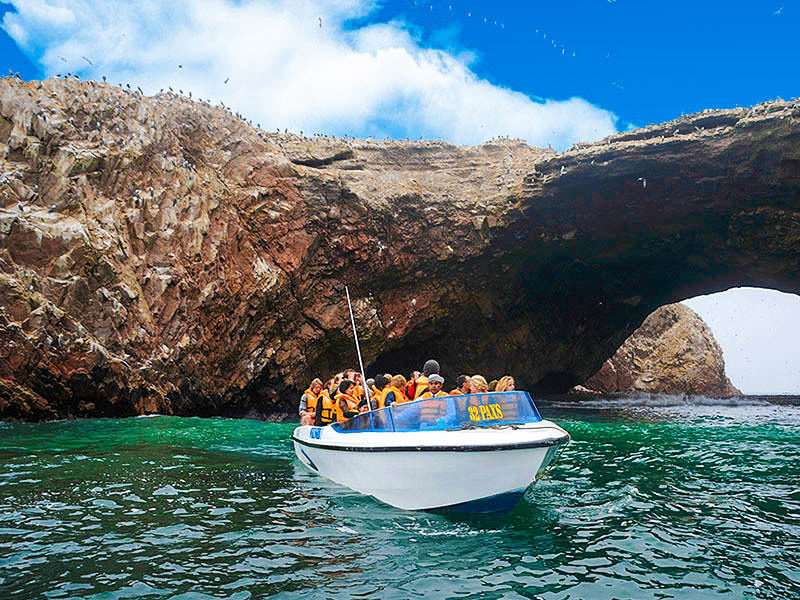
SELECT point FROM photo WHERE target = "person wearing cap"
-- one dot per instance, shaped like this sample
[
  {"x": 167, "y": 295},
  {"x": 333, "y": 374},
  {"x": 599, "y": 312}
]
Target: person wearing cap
[
  {"x": 435, "y": 383},
  {"x": 433, "y": 405},
  {"x": 431, "y": 367}
]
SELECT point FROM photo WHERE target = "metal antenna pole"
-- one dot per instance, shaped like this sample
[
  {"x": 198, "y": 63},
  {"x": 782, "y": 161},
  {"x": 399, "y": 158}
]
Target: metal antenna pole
[{"x": 358, "y": 350}]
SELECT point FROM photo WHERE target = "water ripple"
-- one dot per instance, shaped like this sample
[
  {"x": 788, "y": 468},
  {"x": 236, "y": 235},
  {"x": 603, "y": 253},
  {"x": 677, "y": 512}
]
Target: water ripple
[{"x": 668, "y": 503}]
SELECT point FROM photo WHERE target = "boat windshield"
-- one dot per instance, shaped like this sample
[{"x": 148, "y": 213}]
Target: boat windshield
[{"x": 447, "y": 412}]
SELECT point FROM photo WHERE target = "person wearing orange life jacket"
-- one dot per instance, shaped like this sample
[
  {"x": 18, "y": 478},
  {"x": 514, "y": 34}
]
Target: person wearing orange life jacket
[
  {"x": 358, "y": 391},
  {"x": 381, "y": 387},
  {"x": 346, "y": 401},
  {"x": 431, "y": 367},
  {"x": 388, "y": 394},
  {"x": 435, "y": 383},
  {"x": 327, "y": 409},
  {"x": 431, "y": 409},
  {"x": 373, "y": 389},
  {"x": 398, "y": 383},
  {"x": 308, "y": 402},
  {"x": 462, "y": 386}
]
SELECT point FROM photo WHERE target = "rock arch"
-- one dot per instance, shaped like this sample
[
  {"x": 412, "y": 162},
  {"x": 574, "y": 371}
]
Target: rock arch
[{"x": 173, "y": 256}]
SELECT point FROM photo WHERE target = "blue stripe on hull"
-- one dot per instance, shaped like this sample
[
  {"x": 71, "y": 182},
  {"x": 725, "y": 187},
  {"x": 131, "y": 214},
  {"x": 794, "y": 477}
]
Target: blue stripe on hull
[{"x": 499, "y": 503}]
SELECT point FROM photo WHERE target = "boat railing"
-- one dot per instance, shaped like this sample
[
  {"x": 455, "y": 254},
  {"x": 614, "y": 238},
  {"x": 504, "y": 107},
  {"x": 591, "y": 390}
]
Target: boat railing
[{"x": 447, "y": 412}]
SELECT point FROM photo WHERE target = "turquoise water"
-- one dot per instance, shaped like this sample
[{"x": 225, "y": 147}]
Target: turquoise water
[{"x": 646, "y": 502}]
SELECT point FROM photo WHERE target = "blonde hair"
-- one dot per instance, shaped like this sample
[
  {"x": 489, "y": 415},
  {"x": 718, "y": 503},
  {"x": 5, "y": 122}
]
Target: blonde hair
[
  {"x": 315, "y": 381},
  {"x": 479, "y": 383},
  {"x": 503, "y": 383},
  {"x": 399, "y": 382}
]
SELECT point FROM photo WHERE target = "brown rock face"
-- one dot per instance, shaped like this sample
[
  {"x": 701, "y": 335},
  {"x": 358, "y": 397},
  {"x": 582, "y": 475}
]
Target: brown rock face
[
  {"x": 673, "y": 352},
  {"x": 158, "y": 254}
]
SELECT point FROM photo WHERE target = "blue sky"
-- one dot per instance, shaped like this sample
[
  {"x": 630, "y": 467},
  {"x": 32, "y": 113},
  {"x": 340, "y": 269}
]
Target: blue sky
[
  {"x": 646, "y": 61},
  {"x": 552, "y": 73}
]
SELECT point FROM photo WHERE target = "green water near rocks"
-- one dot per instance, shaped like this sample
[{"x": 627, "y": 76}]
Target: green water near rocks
[{"x": 646, "y": 502}]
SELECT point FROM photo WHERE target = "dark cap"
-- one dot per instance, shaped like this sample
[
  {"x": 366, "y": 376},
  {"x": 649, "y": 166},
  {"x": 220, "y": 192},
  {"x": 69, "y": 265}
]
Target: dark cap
[{"x": 431, "y": 367}]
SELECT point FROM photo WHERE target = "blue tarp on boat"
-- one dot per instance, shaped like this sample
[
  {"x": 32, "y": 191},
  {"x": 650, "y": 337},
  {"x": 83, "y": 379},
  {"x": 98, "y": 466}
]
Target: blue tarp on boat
[{"x": 447, "y": 412}]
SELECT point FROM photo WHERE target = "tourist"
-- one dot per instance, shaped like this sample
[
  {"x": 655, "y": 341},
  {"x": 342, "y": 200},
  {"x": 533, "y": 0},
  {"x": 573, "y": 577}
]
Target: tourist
[
  {"x": 478, "y": 384},
  {"x": 358, "y": 392},
  {"x": 308, "y": 402},
  {"x": 382, "y": 387},
  {"x": 347, "y": 403},
  {"x": 409, "y": 388},
  {"x": 462, "y": 386},
  {"x": 435, "y": 383},
  {"x": 506, "y": 384},
  {"x": 434, "y": 405},
  {"x": 393, "y": 392},
  {"x": 327, "y": 409},
  {"x": 399, "y": 384},
  {"x": 431, "y": 367},
  {"x": 372, "y": 387}
]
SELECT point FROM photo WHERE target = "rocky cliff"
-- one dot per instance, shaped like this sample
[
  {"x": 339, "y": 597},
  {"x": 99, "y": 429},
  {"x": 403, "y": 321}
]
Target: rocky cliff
[
  {"x": 159, "y": 254},
  {"x": 672, "y": 352}
]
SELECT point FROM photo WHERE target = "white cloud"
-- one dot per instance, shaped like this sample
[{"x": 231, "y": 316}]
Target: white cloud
[{"x": 285, "y": 70}]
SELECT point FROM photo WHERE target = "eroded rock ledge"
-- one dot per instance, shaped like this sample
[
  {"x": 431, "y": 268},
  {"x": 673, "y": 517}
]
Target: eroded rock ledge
[
  {"x": 162, "y": 255},
  {"x": 673, "y": 352}
]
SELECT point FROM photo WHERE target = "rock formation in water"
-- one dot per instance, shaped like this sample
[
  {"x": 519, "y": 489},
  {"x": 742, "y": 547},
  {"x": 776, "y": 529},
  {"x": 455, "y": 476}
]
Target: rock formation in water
[
  {"x": 162, "y": 255},
  {"x": 672, "y": 352}
]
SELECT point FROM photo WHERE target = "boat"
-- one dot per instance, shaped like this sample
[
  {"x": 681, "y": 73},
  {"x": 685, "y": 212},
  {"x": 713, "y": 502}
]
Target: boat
[{"x": 474, "y": 452}]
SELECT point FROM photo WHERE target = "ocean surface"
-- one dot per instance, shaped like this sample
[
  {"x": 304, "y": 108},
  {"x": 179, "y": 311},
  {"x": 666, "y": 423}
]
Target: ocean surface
[{"x": 648, "y": 501}]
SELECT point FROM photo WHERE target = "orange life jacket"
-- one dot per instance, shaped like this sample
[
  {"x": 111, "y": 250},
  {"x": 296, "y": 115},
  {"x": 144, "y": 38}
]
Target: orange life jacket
[
  {"x": 399, "y": 396},
  {"x": 352, "y": 405},
  {"x": 421, "y": 386},
  {"x": 329, "y": 410},
  {"x": 428, "y": 394},
  {"x": 432, "y": 407},
  {"x": 376, "y": 399},
  {"x": 456, "y": 392},
  {"x": 311, "y": 401},
  {"x": 358, "y": 391}
]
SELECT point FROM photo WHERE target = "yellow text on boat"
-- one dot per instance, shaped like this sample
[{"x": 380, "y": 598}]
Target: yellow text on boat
[{"x": 485, "y": 412}]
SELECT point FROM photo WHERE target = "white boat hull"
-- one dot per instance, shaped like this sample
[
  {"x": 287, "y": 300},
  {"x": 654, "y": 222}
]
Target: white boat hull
[{"x": 481, "y": 470}]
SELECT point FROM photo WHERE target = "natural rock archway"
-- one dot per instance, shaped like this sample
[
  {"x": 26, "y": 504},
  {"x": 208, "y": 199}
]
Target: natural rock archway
[{"x": 158, "y": 254}]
